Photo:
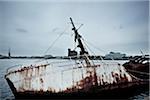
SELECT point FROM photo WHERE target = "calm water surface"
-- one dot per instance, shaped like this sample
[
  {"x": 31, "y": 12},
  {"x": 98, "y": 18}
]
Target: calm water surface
[{"x": 6, "y": 94}]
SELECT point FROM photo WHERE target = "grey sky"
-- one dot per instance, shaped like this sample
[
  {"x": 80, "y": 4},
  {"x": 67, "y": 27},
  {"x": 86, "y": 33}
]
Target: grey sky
[{"x": 29, "y": 28}]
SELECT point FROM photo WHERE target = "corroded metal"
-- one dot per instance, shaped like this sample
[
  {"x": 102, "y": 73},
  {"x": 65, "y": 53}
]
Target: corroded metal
[{"x": 73, "y": 77}]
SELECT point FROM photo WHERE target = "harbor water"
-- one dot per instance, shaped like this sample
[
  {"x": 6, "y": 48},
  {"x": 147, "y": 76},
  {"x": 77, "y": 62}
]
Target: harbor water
[{"x": 6, "y": 94}]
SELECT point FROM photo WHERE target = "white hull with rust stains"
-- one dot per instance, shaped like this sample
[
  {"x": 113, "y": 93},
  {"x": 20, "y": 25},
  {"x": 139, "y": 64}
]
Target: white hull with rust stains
[{"x": 60, "y": 76}]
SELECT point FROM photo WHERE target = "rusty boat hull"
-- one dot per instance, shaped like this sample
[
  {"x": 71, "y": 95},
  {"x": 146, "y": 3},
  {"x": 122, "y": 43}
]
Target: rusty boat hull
[
  {"x": 115, "y": 91},
  {"x": 112, "y": 82}
]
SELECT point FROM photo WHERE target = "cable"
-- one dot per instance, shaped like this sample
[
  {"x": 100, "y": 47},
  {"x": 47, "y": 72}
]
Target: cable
[
  {"x": 55, "y": 41},
  {"x": 90, "y": 49},
  {"x": 52, "y": 44},
  {"x": 96, "y": 48},
  {"x": 144, "y": 73}
]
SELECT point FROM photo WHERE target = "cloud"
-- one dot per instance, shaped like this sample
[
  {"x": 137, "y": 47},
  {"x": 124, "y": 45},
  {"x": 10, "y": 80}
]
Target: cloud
[
  {"x": 21, "y": 30},
  {"x": 55, "y": 29}
]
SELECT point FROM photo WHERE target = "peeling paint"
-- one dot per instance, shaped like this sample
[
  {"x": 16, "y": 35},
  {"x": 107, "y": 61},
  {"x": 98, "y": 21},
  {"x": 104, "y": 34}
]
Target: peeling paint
[{"x": 72, "y": 77}]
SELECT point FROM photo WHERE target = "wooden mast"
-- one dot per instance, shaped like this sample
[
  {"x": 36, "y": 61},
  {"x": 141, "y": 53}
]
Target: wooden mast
[
  {"x": 84, "y": 53},
  {"x": 80, "y": 44}
]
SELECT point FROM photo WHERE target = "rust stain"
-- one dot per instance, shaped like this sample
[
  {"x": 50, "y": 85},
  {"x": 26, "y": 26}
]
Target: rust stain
[
  {"x": 90, "y": 78},
  {"x": 27, "y": 68}
]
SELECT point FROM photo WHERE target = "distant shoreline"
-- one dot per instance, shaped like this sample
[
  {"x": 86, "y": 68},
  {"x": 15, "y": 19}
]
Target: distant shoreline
[
  {"x": 71, "y": 57},
  {"x": 63, "y": 57}
]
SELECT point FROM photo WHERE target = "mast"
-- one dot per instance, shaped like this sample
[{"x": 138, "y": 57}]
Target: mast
[
  {"x": 78, "y": 37},
  {"x": 84, "y": 52}
]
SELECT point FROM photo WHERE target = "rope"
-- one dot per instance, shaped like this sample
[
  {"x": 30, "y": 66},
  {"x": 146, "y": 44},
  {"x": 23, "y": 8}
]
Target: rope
[
  {"x": 144, "y": 73},
  {"x": 89, "y": 50},
  {"x": 52, "y": 44},
  {"x": 138, "y": 78},
  {"x": 55, "y": 41},
  {"x": 95, "y": 48},
  {"x": 92, "y": 51}
]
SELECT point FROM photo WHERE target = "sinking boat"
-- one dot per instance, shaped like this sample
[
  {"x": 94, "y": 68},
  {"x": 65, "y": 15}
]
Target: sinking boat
[{"x": 76, "y": 77}]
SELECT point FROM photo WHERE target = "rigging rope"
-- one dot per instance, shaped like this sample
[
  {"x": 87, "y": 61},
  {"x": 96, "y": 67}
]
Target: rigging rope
[
  {"x": 52, "y": 45},
  {"x": 96, "y": 48},
  {"x": 144, "y": 73},
  {"x": 55, "y": 41},
  {"x": 90, "y": 50},
  {"x": 140, "y": 79}
]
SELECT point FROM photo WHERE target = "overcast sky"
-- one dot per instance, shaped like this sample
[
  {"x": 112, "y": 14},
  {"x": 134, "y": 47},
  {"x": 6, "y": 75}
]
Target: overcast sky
[{"x": 29, "y": 28}]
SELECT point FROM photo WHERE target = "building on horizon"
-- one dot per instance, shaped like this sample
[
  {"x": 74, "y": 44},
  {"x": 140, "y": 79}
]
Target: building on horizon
[
  {"x": 48, "y": 56},
  {"x": 115, "y": 55}
]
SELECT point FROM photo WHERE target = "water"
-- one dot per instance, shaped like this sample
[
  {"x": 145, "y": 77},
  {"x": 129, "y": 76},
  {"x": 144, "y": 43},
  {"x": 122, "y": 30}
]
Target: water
[{"x": 6, "y": 94}]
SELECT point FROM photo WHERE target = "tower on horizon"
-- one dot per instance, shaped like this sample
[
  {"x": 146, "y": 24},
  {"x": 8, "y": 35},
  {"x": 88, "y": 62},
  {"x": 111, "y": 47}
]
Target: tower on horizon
[{"x": 9, "y": 54}]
